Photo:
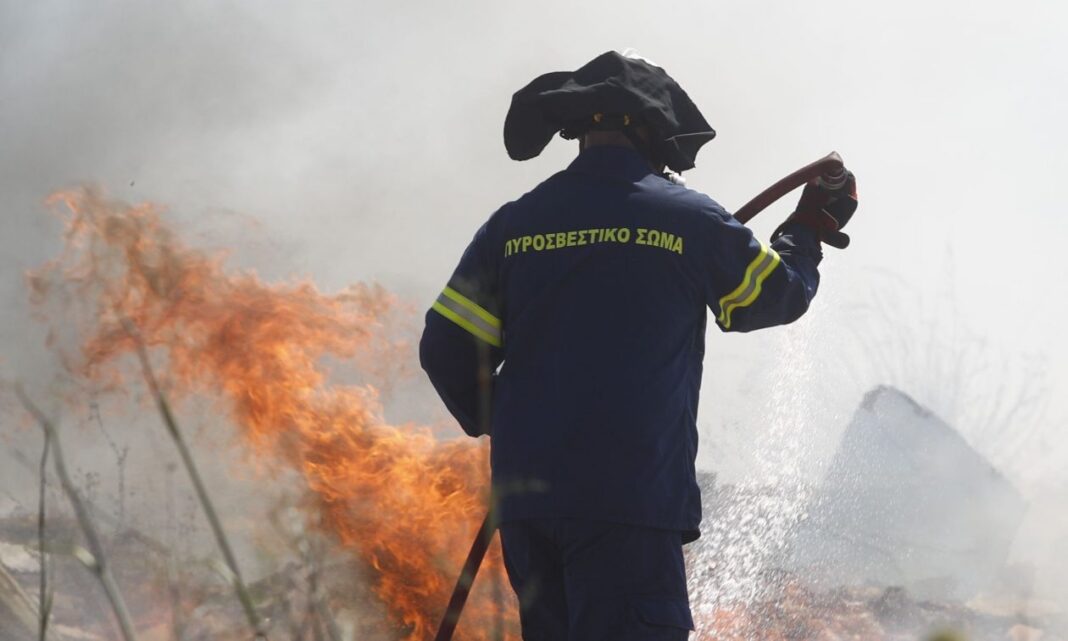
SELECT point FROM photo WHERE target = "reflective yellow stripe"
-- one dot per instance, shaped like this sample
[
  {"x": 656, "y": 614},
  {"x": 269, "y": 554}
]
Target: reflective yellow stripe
[
  {"x": 469, "y": 315},
  {"x": 749, "y": 290},
  {"x": 466, "y": 324},
  {"x": 473, "y": 306}
]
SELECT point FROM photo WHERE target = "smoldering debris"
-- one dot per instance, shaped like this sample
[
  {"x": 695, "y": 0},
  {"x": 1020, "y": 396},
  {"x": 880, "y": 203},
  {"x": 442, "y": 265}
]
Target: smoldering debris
[
  {"x": 318, "y": 593},
  {"x": 315, "y": 591},
  {"x": 869, "y": 614}
]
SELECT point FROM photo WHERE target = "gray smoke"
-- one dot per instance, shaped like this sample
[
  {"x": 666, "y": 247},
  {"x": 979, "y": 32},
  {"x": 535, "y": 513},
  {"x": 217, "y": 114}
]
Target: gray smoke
[{"x": 362, "y": 142}]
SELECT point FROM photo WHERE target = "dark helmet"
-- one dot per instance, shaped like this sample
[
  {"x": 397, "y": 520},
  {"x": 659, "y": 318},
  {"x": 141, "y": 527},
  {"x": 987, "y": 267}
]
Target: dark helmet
[{"x": 612, "y": 91}]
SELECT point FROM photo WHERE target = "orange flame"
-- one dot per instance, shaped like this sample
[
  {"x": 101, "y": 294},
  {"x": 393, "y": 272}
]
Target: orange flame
[{"x": 405, "y": 502}]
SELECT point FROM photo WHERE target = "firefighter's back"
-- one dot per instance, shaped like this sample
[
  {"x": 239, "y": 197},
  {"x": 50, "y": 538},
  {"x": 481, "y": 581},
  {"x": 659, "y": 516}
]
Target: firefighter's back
[{"x": 603, "y": 303}]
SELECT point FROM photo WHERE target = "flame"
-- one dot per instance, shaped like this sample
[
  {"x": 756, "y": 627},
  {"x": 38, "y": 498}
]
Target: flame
[{"x": 405, "y": 502}]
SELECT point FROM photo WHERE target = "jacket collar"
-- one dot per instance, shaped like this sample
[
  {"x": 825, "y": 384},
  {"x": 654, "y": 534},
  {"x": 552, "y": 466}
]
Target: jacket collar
[{"x": 613, "y": 161}]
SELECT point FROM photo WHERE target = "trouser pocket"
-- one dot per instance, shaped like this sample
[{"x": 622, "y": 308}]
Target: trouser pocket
[{"x": 661, "y": 619}]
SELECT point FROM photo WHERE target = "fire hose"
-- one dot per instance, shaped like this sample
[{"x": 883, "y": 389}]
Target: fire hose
[{"x": 831, "y": 172}]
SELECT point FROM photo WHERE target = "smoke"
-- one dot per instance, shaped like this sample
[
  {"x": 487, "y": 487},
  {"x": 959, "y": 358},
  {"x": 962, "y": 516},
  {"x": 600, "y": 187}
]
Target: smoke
[{"x": 353, "y": 142}]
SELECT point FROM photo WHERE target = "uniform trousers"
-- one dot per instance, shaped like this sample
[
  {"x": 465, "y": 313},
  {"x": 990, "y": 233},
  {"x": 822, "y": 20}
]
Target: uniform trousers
[{"x": 580, "y": 580}]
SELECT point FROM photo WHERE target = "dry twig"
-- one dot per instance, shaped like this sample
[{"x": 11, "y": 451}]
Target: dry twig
[
  {"x": 120, "y": 461},
  {"x": 98, "y": 562},
  {"x": 44, "y": 608}
]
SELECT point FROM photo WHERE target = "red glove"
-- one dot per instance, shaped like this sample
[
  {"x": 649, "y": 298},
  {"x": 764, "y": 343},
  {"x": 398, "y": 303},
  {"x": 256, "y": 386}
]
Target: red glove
[{"x": 827, "y": 210}]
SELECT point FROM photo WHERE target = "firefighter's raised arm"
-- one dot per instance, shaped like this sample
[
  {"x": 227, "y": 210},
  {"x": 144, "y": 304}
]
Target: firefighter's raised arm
[{"x": 752, "y": 284}]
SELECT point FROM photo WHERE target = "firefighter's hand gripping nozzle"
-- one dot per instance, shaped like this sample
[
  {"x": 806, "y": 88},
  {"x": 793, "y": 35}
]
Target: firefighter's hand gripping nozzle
[{"x": 827, "y": 204}]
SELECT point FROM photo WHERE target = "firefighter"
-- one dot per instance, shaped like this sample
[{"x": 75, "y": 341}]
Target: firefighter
[{"x": 572, "y": 332}]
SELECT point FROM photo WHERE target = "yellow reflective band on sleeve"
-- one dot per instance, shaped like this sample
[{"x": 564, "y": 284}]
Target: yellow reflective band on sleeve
[
  {"x": 469, "y": 315},
  {"x": 472, "y": 306},
  {"x": 749, "y": 290}
]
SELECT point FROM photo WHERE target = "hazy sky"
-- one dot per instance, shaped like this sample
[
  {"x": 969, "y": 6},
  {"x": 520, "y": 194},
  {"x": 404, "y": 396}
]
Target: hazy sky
[{"x": 362, "y": 141}]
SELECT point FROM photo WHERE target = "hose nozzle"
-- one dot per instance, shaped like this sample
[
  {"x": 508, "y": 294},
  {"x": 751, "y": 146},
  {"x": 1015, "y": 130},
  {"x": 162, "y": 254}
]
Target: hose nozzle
[
  {"x": 834, "y": 176},
  {"x": 833, "y": 179}
]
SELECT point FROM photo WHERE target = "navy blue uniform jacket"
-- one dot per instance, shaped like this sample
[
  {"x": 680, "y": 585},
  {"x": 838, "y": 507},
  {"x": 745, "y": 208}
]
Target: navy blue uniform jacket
[{"x": 584, "y": 302}]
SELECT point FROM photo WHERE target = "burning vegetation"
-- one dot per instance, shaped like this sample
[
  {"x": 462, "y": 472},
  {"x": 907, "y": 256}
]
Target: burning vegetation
[{"x": 404, "y": 502}]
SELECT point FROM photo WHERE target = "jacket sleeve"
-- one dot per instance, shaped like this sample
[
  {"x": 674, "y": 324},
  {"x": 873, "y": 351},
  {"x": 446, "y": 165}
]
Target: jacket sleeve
[
  {"x": 751, "y": 285},
  {"x": 462, "y": 342}
]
